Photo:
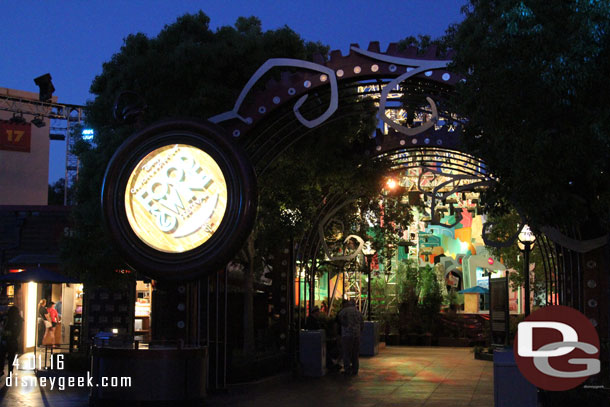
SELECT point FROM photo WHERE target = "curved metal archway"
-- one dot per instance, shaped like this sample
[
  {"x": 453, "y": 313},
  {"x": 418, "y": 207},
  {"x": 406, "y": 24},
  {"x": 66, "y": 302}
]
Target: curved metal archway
[{"x": 268, "y": 120}]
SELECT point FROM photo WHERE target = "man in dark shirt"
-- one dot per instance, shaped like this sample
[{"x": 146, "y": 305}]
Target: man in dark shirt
[
  {"x": 9, "y": 343},
  {"x": 352, "y": 324},
  {"x": 313, "y": 320}
]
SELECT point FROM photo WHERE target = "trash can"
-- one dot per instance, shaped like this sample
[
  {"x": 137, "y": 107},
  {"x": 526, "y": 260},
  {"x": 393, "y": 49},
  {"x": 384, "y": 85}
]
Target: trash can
[
  {"x": 510, "y": 387},
  {"x": 369, "y": 339},
  {"x": 312, "y": 352}
]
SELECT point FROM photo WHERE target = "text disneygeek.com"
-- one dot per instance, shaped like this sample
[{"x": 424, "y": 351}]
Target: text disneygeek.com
[
  {"x": 62, "y": 382},
  {"x": 59, "y": 382}
]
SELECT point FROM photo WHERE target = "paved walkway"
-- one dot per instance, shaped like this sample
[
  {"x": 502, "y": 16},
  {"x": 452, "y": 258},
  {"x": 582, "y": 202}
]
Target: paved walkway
[{"x": 398, "y": 376}]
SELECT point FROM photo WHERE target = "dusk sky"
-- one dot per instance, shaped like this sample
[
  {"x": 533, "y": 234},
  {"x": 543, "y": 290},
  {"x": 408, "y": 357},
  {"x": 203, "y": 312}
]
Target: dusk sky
[{"x": 72, "y": 39}]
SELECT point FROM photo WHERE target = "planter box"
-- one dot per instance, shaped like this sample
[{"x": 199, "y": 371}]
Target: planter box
[
  {"x": 510, "y": 387},
  {"x": 369, "y": 339},
  {"x": 312, "y": 352}
]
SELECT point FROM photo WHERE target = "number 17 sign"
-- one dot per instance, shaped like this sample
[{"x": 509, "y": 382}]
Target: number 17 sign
[{"x": 15, "y": 137}]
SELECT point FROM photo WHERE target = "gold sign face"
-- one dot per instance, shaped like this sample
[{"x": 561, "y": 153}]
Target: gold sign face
[{"x": 176, "y": 198}]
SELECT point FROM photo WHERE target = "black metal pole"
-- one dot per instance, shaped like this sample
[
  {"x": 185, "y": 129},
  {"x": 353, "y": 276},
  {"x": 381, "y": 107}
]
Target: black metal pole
[
  {"x": 368, "y": 289},
  {"x": 507, "y": 314},
  {"x": 491, "y": 318},
  {"x": 526, "y": 276},
  {"x": 225, "y": 321}
]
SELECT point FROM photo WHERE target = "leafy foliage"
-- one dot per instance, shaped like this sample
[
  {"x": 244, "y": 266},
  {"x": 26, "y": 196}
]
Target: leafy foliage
[
  {"x": 536, "y": 82},
  {"x": 185, "y": 71},
  {"x": 512, "y": 257},
  {"x": 328, "y": 160},
  {"x": 56, "y": 192},
  {"x": 419, "y": 296}
]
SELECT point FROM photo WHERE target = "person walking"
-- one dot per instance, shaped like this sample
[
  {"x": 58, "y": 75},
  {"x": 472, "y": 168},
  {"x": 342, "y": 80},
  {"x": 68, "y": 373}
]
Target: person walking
[
  {"x": 10, "y": 338},
  {"x": 352, "y": 324}
]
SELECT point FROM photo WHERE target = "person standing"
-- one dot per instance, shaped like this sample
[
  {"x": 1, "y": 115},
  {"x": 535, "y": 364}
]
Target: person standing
[
  {"x": 53, "y": 314},
  {"x": 53, "y": 317},
  {"x": 10, "y": 338},
  {"x": 58, "y": 308},
  {"x": 42, "y": 317},
  {"x": 352, "y": 324},
  {"x": 313, "y": 319}
]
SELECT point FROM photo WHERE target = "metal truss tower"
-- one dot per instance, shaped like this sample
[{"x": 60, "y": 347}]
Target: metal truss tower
[{"x": 353, "y": 284}]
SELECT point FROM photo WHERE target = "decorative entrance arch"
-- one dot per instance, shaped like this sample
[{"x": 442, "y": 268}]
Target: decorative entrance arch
[{"x": 266, "y": 120}]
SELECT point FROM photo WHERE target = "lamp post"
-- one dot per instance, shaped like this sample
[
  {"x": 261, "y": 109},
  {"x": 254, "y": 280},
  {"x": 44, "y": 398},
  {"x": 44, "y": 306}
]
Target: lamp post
[
  {"x": 526, "y": 243},
  {"x": 368, "y": 252}
]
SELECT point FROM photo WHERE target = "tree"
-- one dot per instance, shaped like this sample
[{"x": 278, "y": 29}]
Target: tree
[
  {"x": 186, "y": 71},
  {"x": 536, "y": 82},
  {"x": 189, "y": 70},
  {"x": 512, "y": 257},
  {"x": 56, "y": 192}
]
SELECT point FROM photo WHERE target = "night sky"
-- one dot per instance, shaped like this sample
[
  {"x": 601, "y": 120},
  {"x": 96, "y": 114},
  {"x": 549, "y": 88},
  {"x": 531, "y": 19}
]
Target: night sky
[{"x": 71, "y": 39}]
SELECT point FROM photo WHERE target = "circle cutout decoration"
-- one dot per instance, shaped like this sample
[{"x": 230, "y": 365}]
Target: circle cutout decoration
[{"x": 179, "y": 199}]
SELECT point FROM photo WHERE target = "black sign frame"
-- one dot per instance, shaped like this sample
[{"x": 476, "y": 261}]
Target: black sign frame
[{"x": 236, "y": 223}]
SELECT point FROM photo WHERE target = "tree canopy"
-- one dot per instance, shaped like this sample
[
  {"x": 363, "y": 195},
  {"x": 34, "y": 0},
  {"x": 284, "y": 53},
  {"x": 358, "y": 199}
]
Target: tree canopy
[
  {"x": 188, "y": 70},
  {"x": 534, "y": 95}
]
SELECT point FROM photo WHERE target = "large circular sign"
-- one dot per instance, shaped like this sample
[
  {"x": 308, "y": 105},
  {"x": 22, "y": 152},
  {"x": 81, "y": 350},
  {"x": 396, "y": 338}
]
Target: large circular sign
[
  {"x": 179, "y": 199},
  {"x": 176, "y": 198}
]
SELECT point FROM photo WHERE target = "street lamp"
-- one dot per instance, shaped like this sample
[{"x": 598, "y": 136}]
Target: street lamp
[
  {"x": 368, "y": 252},
  {"x": 526, "y": 243}
]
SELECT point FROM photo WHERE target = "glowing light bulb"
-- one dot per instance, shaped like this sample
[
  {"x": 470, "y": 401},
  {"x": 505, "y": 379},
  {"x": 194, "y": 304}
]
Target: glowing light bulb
[{"x": 391, "y": 183}]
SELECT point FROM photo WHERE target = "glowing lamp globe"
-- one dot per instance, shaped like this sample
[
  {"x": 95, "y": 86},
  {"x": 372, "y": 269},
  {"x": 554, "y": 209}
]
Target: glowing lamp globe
[{"x": 526, "y": 237}]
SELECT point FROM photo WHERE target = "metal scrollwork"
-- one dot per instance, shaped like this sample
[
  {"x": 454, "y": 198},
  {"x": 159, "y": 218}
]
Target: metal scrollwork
[
  {"x": 324, "y": 222},
  {"x": 419, "y": 66},
  {"x": 289, "y": 62},
  {"x": 506, "y": 243},
  {"x": 579, "y": 246}
]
